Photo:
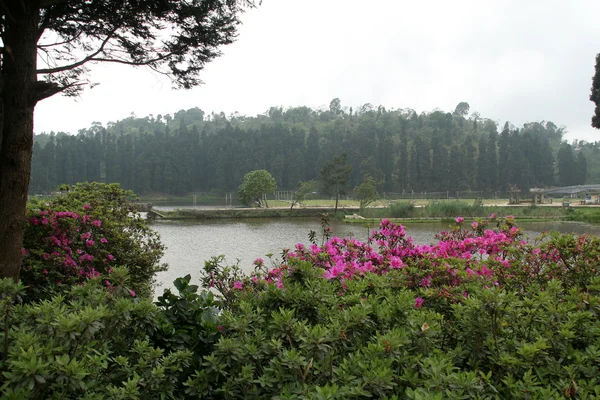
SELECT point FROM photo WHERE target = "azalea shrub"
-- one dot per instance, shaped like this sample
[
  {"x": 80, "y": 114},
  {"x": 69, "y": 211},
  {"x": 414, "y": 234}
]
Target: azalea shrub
[
  {"x": 88, "y": 342},
  {"x": 481, "y": 313},
  {"x": 84, "y": 233}
]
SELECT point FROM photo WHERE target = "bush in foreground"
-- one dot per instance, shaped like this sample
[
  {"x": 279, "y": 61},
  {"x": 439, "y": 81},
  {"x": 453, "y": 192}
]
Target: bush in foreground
[
  {"x": 481, "y": 314},
  {"x": 84, "y": 233},
  {"x": 89, "y": 342}
]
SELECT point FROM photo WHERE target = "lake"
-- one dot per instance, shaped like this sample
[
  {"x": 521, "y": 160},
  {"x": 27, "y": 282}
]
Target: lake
[{"x": 190, "y": 243}]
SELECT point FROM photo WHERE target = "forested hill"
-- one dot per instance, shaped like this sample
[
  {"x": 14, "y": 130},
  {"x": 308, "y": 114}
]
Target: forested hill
[{"x": 436, "y": 151}]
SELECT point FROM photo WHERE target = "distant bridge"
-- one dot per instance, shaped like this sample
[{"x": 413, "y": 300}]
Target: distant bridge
[
  {"x": 570, "y": 190},
  {"x": 593, "y": 191}
]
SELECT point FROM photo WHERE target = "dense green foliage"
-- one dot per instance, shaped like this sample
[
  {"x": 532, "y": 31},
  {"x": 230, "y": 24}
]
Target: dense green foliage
[
  {"x": 193, "y": 152},
  {"x": 595, "y": 95},
  {"x": 88, "y": 342},
  {"x": 417, "y": 325},
  {"x": 255, "y": 186},
  {"x": 84, "y": 232},
  {"x": 479, "y": 314}
]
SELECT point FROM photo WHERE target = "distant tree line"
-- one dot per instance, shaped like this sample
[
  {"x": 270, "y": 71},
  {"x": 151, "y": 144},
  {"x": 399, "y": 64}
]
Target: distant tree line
[{"x": 401, "y": 150}]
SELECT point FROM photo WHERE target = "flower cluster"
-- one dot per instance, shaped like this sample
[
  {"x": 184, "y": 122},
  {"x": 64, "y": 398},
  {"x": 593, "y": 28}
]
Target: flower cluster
[
  {"x": 64, "y": 248},
  {"x": 493, "y": 251}
]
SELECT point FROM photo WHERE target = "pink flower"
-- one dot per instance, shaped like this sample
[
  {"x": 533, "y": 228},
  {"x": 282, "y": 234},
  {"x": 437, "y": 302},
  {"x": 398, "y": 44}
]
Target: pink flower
[
  {"x": 475, "y": 225},
  {"x": 97, "y": 222},
  {"x": 87, "y": 207},
  {"x": 419, "y": 302},
  {"x": 132, "y": 292},
  {"x": 492, "y": 216},
  {"x": 89, "y": 243},
  {"x": 220, "y": 328},
  {"x": 396, "y": 262},
  {"x": 111, "y": 257},
  {"x": 258, "y": 261},
  {"x": 238, "y": 285},
  {"x": 24, "y": 251},
  {"x": 103, "y": 240},
  {"x": 459, "y": 220},
  {"x": 45, "y": 272}
]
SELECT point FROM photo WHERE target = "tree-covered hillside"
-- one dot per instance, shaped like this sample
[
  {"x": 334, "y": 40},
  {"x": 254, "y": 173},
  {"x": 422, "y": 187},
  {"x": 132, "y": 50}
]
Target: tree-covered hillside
[{"x": 435, "y": 151}]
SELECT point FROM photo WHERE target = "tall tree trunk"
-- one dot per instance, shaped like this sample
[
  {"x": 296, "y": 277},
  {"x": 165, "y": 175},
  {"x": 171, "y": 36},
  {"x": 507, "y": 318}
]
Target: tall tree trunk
[
  {"x": 16, "y": 145},
  {"x": 337, "y": 197}
]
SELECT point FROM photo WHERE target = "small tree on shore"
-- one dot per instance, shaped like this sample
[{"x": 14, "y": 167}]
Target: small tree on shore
[
  {"x": 335, "y": 175},
  {"x": 366, "y": 192},
  {"x": 255, "y": 186},
  {"x": 304, "y": 189}
]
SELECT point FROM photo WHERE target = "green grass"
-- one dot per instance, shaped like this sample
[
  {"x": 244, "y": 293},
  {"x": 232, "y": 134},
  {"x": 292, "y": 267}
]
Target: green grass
[
  {"x": 450, "y": 209},
  {"x": 580, "y": 214}
]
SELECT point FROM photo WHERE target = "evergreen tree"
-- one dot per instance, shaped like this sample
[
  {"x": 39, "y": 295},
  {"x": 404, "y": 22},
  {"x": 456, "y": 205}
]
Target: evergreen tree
[
  {"x": 335, "y": 174},
  {"x": 595, "y": 95},
  {"x": 582, "y": 167},
  {"x": 312, "y": 156},
  {"x": 439, "y": 167},
  {"x": 503, "y": 154},
  {"x": 422, "y": 174},
  {"x": 482, "y": 165},
  {"x": 403, "y": 159},
  {"x": 567, "y": 166},
  {"x": 469, "y": 162},
  {"x": 492, "y": 160}
]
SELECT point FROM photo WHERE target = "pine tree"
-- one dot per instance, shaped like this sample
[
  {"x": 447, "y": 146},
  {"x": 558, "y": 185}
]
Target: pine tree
[
  {"x": 492, "y": 160},
  {"x": 482, "y": 165},
  {"x": 582, "y": 167},
  {"x": 567, "y": 166}
]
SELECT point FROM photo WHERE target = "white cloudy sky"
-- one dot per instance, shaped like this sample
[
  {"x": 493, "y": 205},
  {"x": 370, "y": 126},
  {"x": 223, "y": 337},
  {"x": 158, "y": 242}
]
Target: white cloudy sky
[{"x": 516, "y": 60}]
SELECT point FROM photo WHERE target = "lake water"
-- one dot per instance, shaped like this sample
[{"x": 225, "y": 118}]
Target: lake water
[{"x": 190, "y": 243}]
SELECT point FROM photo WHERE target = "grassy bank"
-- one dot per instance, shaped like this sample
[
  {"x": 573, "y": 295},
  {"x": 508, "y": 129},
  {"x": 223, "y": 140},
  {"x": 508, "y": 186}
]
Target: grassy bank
[
  {"x": 250, "y": 213},
  {"x": 451, "y": 209},
  {"x": 445, "y": 211},
  {"x": 590, "y": 215}
]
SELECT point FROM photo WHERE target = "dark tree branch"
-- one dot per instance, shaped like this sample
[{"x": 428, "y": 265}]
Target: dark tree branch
[
  {"x": 43, "y": 90},
  {"x": 7, "y": 11},
  {"x": 69, "y": 41},
  {"x": 78, "y": 63},
  {"x": 48, "y": 3},
  {"x": 132, "y": 62}
]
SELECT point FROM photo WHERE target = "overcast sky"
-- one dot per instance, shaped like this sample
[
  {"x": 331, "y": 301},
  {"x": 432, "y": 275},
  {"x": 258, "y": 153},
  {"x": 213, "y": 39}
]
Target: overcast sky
[{"x": 512, "y": 60}]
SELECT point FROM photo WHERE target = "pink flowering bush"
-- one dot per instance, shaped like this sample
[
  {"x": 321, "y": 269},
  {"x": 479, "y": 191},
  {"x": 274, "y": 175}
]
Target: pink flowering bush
[
  {"x": 84, "y": 233},
  {"x": 61, "y": 249},
  {"x": 479, "y": 313}
]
